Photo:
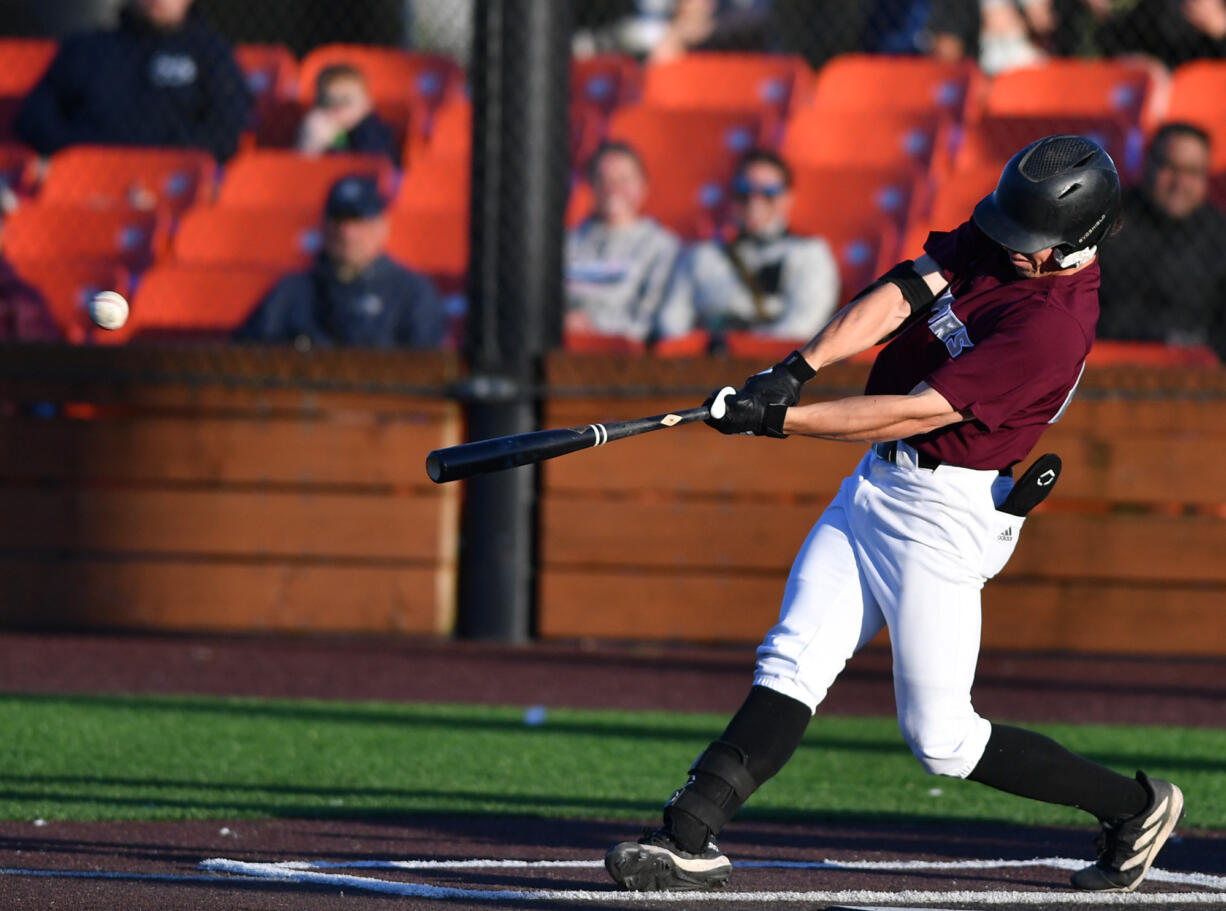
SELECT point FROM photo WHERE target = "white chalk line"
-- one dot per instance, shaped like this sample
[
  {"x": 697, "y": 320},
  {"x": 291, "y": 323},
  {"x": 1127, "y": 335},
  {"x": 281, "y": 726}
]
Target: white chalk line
[
  {"x": 112, "y": 874},
  {"x": 295, "y": 871},
  {"x": 1059, "y": 863}
]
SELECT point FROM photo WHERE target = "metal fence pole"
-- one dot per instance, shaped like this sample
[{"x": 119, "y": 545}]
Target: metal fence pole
[{"x": 520, "y": 76}]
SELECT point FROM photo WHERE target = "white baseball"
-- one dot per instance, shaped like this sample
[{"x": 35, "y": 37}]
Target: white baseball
[{"x": 108, "y": 309}]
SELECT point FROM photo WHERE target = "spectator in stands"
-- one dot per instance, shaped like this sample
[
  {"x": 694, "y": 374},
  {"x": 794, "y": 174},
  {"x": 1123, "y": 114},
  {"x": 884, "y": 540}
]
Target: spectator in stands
[
  {"x": 160, "y": 78},
  {"x": 665, "y": 29},
  {"x": 618, "y": 261},
  {"x": 1000, "y": 34},
  {"x": 1172, "y": 31},
  {"x": 343, "y": 118},
  {"x": 1164, "y": 276},
  {"x": 354, "y": 295},
  {"x": 765, "y": 279}
]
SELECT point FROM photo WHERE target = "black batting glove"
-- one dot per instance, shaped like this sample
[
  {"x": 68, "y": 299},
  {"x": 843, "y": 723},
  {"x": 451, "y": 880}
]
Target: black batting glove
[
  {"x": 735, "y": 412},
  {"x": 781, "y": 384}
]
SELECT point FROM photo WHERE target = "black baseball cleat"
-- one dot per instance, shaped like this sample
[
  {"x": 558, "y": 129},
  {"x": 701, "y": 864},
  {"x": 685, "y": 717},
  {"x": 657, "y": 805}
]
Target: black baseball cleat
[
  {"x": 1127, "y": 850},
  {"x": 656, "y": 863}
]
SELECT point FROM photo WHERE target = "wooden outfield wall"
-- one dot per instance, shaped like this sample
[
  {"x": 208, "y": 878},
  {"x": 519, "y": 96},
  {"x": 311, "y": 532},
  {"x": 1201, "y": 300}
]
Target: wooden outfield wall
[{"x": 248, "y": 490}]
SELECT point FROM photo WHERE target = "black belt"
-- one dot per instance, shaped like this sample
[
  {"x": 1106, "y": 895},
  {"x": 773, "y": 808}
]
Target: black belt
[{"x": 889, "y": 452}]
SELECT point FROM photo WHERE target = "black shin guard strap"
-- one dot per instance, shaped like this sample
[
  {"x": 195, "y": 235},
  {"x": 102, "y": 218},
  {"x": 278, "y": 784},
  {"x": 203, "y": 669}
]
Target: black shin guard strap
[
  {"x": 757, "y": 742},
  {"x": 1031, "y": 765}
]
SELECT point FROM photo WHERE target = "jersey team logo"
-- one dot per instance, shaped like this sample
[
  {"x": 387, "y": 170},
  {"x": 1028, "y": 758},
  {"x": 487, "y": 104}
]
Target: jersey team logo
[{"x": 946, "y": 326}]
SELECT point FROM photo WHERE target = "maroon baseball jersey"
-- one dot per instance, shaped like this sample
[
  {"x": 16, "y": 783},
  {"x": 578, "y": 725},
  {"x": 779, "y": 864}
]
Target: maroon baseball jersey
[{"x": 1008, "y": 349}]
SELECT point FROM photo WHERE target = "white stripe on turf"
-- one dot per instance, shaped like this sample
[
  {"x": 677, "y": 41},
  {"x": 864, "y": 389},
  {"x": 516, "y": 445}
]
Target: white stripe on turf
[
  {"x": 1059, "y": 863},
  {"x": 910, "y": 896}
]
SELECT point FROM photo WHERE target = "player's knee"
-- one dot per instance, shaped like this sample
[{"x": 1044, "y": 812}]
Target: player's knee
[{"x": 947, "y": 747}]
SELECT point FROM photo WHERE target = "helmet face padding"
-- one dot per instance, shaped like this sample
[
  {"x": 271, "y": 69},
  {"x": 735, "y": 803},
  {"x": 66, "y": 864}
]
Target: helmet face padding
[{"x": 1060, "y": 192}]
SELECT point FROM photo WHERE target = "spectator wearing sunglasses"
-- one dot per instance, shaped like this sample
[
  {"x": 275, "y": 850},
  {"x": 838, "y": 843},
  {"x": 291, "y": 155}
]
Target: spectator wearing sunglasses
[
  {"x": 765, "y": 279},
  {"x": 618, "y": 261}
]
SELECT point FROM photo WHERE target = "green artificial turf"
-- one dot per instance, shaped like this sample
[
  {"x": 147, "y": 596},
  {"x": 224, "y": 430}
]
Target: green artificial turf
[{"x": 155, "y": 757}]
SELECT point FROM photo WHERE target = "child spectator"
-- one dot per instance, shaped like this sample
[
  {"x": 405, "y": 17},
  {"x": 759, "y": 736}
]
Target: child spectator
[{"x": 343, "y": 118}]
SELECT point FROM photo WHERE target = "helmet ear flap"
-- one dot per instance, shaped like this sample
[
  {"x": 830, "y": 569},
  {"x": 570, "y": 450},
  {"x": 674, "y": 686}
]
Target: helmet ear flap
[{"x": 1068, "y": 259}]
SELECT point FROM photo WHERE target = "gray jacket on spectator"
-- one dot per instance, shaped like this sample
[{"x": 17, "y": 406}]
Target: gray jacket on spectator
[
  {"x": 794, "y": 291},
  {"x": 618, "y": 276}
]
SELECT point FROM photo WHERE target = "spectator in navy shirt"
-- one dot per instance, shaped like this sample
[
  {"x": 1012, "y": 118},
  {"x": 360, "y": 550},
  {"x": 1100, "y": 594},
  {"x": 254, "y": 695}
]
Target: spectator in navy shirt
[
  {"x": 354, "y": 295},
  {"x": 161, "y": 78},
  {"x": 343, "y": 118}
]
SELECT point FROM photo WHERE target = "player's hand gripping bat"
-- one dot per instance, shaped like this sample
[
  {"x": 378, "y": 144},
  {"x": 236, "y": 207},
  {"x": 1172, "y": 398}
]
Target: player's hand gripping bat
[{"x": 482, "y": 456}]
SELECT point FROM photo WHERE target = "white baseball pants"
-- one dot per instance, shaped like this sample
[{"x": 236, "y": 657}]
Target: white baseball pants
[{"x": 908, "y": 548}]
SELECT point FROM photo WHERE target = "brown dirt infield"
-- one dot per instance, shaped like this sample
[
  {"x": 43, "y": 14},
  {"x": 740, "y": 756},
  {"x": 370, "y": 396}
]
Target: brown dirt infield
[{"x": 1019, "y": 687}]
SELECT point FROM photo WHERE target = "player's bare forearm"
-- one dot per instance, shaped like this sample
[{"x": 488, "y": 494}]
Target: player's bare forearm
[
  {"x": 858, "y": 326},
  {"x": 873, "y": 418},
  {"x": 867, "y": 320}
]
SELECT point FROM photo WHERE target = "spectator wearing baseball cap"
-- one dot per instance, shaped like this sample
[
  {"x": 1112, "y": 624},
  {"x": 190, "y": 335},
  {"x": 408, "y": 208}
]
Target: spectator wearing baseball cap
[{"x": 354, "y": 294}]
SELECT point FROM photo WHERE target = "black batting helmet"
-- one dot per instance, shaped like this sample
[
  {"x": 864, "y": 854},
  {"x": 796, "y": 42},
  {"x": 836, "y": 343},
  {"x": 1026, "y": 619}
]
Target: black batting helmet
[{"x": 1060, "y": 191}]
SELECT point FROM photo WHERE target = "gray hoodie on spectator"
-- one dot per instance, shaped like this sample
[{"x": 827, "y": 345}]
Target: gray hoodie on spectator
[
  {"x": 618, "y": 276},
  {"x": 795, "y": 279}
]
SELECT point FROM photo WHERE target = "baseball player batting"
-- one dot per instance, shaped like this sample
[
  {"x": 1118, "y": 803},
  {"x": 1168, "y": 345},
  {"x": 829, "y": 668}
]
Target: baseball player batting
[{"x": 989, "y": 331}]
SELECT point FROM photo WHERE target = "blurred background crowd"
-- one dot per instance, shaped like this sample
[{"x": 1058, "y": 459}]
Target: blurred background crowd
[{"x": 298, "y": 171}]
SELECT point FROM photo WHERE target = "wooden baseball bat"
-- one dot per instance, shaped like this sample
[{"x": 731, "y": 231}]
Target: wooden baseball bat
[{"x": 483, "y": 456}]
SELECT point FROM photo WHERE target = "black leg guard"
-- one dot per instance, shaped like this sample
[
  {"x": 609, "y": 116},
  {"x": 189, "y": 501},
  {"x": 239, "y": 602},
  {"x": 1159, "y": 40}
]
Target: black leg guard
[{"x": 757, "y": 742}]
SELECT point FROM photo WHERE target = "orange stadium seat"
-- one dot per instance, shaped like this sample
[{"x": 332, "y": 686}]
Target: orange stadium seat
[
  {"x": 865, "y": 245},
  {"x": 952, "y": 203},
  {"x": 113, "y": 177},
  {"x": 271, "y": 69},
  {"x": 819, "y": 137},
  {"x": 605, "y": 81},
  {"x": 875, "y": 83},
  {"x": 25, "y": 61},
  {"x": 68, "y": 285},
  {"x": 395, "y": 76},
  {"x": 994, "y": 140},
  {"x": 217, "y": 236},
  {"x": 775, "y": 83},
  {"x": 574, "y": 342},
  {"x": 1198, "y": 92},
  {"x": 895, "y": 193},
  {"x": 179, "y": 301},
  {"x": 450, "y": 135},
  {"x": 957, "y": 195},
  {"x": 273, "y": 178},
  {"x": 1111, "y": 353},
  {"x": 432, "y": 242},
  {"x": 435, "y": 184},
  {"x": 690, "y": 158},
  {"x": 125, "y": 237},
  {"x": 1075, "y": 87}
]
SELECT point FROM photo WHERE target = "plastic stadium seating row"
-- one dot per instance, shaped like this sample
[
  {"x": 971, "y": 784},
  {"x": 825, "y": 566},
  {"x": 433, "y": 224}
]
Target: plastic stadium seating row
[{"x": 884, "y": 149}]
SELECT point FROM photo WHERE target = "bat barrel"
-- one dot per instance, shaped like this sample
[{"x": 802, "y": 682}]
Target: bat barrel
[{"x": 456, "y": 463}]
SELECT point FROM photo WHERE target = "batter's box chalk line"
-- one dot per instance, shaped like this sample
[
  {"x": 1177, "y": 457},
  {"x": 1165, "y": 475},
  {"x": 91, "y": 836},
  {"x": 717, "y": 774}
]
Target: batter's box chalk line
[{"x": 322, "y": 873}]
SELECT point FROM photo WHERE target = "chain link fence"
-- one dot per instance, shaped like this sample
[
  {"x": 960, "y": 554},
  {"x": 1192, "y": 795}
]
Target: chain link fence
[{"x": 190, "y": 165}]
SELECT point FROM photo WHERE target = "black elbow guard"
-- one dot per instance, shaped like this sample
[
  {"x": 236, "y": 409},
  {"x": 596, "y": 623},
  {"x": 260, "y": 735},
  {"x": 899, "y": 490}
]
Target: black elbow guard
[{"x": 912, "y": 285}]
